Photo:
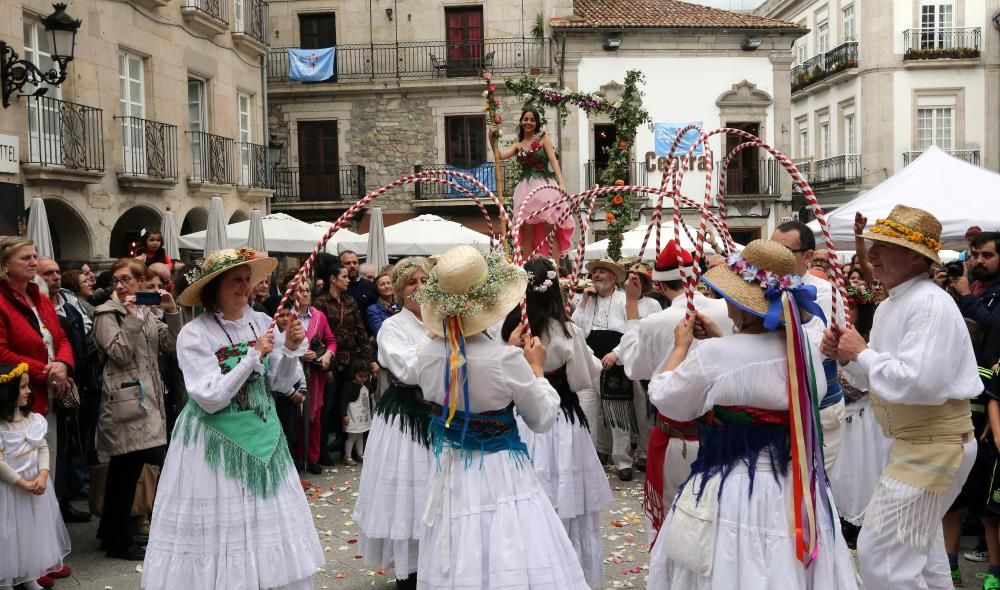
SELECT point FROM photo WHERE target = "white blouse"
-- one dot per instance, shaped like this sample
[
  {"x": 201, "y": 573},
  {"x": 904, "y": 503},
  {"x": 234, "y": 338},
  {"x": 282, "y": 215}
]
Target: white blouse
[
  {"x": 498, "y": 375},
  {"x": 608, "y": 313},
  {"x": 398, "y": 339},
  {"x": 919, "y": 352},
  {"x": 583, "y": 370},
  {"x": 202, "y": 337},
  {"x": 738, "y": 370}
]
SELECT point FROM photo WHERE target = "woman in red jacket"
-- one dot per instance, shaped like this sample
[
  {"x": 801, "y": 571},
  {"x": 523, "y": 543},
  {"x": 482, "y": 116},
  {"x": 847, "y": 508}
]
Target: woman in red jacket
[{"x": 29, "y": 327}]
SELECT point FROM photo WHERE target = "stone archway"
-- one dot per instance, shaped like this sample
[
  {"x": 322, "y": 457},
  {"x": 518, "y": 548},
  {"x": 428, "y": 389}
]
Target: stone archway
[
  {"x": 125, "y": 234},
  {"x": 196, "y": 219},
  {"x": 71, "y": 236},
  {"x": 238, "y": 216}
]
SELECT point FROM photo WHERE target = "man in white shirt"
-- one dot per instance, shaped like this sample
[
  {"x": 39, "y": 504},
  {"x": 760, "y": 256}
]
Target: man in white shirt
[
  {"x": 797, "y": 237},
  {"x": 601, "y": 316},
  {"x": 920, "y": 370},
  {"x": 673, "y": 445}
]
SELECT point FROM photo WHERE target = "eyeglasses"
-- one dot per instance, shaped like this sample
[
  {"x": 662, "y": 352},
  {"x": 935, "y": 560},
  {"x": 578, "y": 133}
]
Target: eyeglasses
[{"x": 124, "y": 280}]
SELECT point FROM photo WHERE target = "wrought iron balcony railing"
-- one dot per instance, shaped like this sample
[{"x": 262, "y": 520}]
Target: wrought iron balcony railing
[
  {"x": 251, "y": 19},
  {"x": 942, "y": 43},
  {"x": 592, "y": 172},
  {"x": 970, "y": 156},
  {"x": 844, "y": 169},
  {"x": 211, "y": 158},
  {"x": 824, "y": 65},
  {"x": 294, "y": 185},
  {"x": 761, "y": 177},
  {"x": 253, "y": 165},
  {"x": 217, "y": 9},
  {"x": 149, "y": 148},
  {"x": 66, "y": 134},
  {"x": 484, "y": 173},
  {"x": 427, "y": 59}
]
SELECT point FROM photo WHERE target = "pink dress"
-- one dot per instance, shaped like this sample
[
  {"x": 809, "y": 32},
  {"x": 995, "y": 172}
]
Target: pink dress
[{"x": 535, "y": 172}]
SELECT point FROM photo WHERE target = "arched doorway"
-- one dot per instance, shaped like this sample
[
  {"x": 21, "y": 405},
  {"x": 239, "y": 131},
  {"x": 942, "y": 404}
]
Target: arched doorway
[
  {"x": 71, "y": 236},
  {"x": 238, "y": 216},
  {"x": 125, "y": 236},
  {"x": 195, "y": 220}
]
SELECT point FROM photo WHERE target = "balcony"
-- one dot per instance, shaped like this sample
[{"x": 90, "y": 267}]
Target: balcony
[
  {"x": 429, "y": 193},
  {"x": 250, "y": 27},
  {"x": 211, "y": 162},
  {"x": 827, "y": 172},
  {"x": 942, "y": 43},
  {"x": 427, "y": 59},
  {"x": 753, "y": 179},
  {"x": 210, "y": 17},
  {"x": 149, "y": 154},
  {"x": 65, "y": 142},
  {"x": 254, "y": 181},
  {"x": 824, "y": 65},
  {"x": 970, "y": 156},
  {"x": 592, "y": 172},
  {"x": 293, "y": 186}
]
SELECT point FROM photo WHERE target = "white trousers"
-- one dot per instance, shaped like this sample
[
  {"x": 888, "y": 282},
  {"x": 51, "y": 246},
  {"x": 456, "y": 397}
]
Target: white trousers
[
  {"x": 889, "y": 562},
  {"x": 642, "y": 418},
  {"x": 831, "y": 420}
]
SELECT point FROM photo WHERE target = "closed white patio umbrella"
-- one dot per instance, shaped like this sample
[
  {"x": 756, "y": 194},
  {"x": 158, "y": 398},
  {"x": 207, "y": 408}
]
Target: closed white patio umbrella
[
  {"x": 215, "y": 235},
  {"x": 38, "y": 229},
  {"x": 255, "y": 232},
  {"x": 377, "y": 255},
  {"x": 170, "y": 235}
]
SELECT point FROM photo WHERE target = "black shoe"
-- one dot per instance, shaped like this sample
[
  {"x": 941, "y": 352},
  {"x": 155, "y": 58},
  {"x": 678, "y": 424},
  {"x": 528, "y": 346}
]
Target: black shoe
[
  {"x": 625, "y": 474},
  {"x": 132, "y": 553},
  {"x": 604, "y": 458},
  {"x": 325, "y": 459},
  {"x": 407, "y": 584},
  {"x": 315, "y": 469},
  {"x": 72, "y": 515},
  {"x": 640, "y": 465},
  {"x": 300, "y": 466}
]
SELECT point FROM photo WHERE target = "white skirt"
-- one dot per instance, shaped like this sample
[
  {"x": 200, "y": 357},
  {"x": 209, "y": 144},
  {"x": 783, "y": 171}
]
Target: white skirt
[
  {"x": 391, "y": 497},
  {"x": 33, "y": 538},
  {"x": 865, "y": 453},
  {"x": 754, "y": 548},
  {"x": 569, "y": 471},
  {"x": 491, "y": 526},
  {"x": 209, "y": 532}
]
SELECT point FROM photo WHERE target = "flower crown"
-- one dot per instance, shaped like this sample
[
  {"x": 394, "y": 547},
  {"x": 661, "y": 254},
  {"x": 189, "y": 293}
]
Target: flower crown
[
  {"x": 544, "y": 285},
  {"x": 893, "y": 229},
  {"x": 759, "y": 276},
  {"x": 220, "y": 261},
  {"x": 15, "y": 373},
  {"x": 860, "y": 295},
  {"x": 480, "y": 297}
]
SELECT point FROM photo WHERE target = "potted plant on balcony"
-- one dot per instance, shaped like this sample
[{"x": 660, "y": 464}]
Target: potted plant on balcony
[{"x": 538, "y": 32}]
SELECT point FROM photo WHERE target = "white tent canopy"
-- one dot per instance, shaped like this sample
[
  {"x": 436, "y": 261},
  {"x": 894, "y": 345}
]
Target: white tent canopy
[
  {"x": 426, "y": 235},
  {"x": 282, "y": 232},
  {"x": 337, "y": 237},
  {"x": 632, "y": 242},
  {"x": 958, "y": 193}
]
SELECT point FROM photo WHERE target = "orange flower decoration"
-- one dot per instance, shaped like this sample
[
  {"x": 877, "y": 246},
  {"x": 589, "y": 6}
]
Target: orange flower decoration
[
  {"x": 619, "y": 182},
  {"x": 622, "y": 144},
  {"x": 618, "y": 200},
  {"x": 610, "y": 217}
]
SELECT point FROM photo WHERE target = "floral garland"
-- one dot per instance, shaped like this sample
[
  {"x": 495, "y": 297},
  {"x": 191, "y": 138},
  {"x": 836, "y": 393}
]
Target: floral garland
[
  {"x": 544, "y": 285},
  {"x": 220, "y": 261},
  {"x": 859, "y": 295},
  {"x": 539, "y": 95},
  {"x": 477, "y": 299},
  {"x": 759, "y": 276},
  {"x": 892, "y": 229},
  {"x": 15, "y": 373}
]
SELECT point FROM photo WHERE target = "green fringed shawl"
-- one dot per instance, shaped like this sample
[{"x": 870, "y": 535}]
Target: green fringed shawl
[{"x": 244, "y": 439}]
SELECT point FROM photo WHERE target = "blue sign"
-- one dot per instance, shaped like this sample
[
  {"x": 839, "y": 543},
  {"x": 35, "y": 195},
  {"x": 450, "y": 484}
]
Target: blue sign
[
  {"x": 665, "y": 133},
  {"x": 310, "y": 65}
]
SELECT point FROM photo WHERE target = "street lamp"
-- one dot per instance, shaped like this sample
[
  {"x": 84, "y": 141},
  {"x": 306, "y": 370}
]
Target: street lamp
[
  {"x": 16, "y": 72},
  {"x": 274, "y": 155}
]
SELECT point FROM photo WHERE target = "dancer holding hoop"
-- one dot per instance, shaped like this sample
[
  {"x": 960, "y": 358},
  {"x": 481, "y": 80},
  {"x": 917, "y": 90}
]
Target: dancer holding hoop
[{"x": 539, "y": 168}]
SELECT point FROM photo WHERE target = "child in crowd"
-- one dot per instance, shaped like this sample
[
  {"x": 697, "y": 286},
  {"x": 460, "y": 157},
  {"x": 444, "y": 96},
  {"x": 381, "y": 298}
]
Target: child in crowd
[
  {"x": 152, "y": 249},
  {"x": 32, "y": 533},
  {"x": 355, "y": 407}
]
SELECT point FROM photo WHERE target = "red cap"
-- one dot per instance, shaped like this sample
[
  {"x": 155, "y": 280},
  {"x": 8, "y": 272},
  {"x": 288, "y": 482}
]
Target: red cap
[{"x": 668, "y": 263}]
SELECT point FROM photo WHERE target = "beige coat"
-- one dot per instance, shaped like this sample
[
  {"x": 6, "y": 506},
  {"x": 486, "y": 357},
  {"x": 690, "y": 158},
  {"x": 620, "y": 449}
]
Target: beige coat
[{"x": 132, "y": 416}]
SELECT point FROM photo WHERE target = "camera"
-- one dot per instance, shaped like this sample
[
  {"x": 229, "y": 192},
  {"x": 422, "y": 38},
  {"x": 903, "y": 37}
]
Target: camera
[
  {"x": 955, "y": 268},
  {"x": 147, "y": 298}
]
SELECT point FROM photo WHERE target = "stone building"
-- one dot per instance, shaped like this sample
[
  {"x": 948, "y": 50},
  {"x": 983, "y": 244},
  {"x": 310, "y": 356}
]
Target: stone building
[
  {"x": 163, "y": 107},
  {"x": 875, "y": 82},
  {"x": 405, "y": 94}
]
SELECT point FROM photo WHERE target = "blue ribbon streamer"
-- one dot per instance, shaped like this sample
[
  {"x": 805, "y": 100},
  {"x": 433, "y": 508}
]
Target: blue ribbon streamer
[{"x": 805, "y": 299}]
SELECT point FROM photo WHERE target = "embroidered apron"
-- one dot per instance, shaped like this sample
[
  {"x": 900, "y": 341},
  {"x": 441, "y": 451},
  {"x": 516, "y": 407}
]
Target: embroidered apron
[
  {"x": 244, "y": 439},
  {"x": 616, "y": 387}
]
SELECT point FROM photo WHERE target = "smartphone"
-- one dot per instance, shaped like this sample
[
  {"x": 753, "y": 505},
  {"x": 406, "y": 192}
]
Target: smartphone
[{"x": 147, "y": 298}]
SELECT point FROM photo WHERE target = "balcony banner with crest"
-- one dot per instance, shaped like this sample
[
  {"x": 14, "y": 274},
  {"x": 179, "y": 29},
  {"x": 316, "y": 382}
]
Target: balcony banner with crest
[
  {"x": 666, "y": 133},
  {"x": 310, "y": 65}
]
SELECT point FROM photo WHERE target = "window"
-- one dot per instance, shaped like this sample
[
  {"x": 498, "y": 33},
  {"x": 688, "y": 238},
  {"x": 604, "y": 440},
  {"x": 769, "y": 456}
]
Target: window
[
  {"x": 465, "y": 140},
  {"x": 317, "y": 31},
  {"x": 239, "y": 17},
  {"x": 245, "y": 136},
  {"x": 131, "y": 105},
  {"x": 197, "y": 123},
  {"x": 935, "y": 127},
  {"x": 801, "y": 52},
  {"x": 847, "y": 23},
  {"x": 464, "y": 33},
  {"x": 936, "y": 20},
  {"x": 850, "y": 134},
  {"x": 44, "y": 127},
  {"x": 804, "y": 149},
  {"x": 823, "y": 37},
  {"x": 824, "y": 140}
]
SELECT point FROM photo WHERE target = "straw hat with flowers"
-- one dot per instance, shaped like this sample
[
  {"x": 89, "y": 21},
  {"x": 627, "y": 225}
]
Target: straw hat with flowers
[
  {"x": 477, "y": 289},
  {"x": 261, "y": 267},
  {"x": 609, "y": 265},
  {"x": 911, "y": 228}
]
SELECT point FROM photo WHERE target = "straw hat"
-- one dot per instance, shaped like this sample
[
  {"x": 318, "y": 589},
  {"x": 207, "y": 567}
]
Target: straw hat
[
  {"x": 607, "y": 264},
  {"x": 480, "y": 290},
  {"x": 911, "y": 228},
  {"x": 642, "y": 269},
  {"x": 219, "y": 262},
  {"x": 745, "y": 275}
]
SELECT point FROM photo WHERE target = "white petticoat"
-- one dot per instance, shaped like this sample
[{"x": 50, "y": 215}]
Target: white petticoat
[
  {"x": 569, "y": 471},
  {"x": 391, "y": 497},
  {"x": 865, "y": 454},
  {"x": 492, "y": 527},
  {"x": 208, "y": 532},
  {"x": 754, "y": 549},
  {"x": 33, "y": 538}
]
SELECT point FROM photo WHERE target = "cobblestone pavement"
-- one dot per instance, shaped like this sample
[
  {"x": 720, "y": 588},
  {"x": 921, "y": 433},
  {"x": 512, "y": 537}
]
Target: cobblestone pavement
[{"x": 332, "y": 496}]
